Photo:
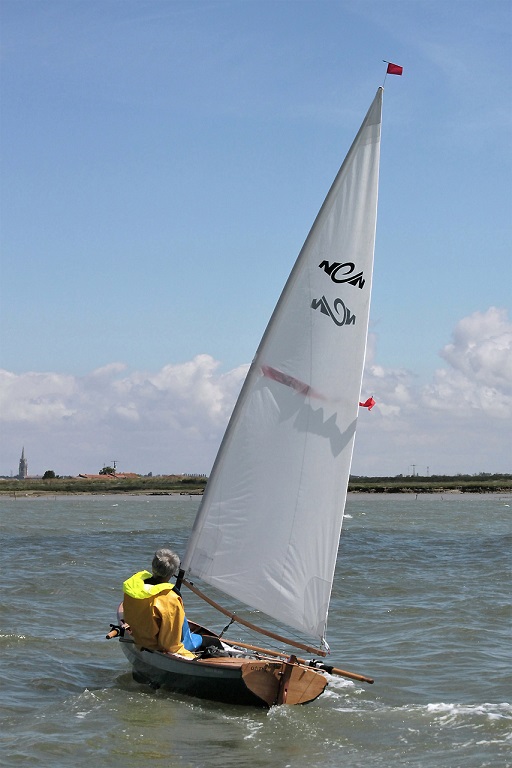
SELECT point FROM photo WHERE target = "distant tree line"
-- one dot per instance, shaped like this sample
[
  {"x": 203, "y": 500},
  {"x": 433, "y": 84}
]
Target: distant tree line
[{"x": 483, "y": 482}]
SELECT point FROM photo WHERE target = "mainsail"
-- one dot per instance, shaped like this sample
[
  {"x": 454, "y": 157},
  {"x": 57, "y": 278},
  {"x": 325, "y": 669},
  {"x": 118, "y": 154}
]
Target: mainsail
[{"x": 268, "y": 529}]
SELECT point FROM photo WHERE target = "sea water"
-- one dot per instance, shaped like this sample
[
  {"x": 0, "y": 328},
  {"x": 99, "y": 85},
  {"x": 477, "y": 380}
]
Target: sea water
[{"x": 420, "y": 602}]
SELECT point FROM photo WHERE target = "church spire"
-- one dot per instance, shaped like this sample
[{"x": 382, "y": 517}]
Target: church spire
[{"x": 23, "y": 466}]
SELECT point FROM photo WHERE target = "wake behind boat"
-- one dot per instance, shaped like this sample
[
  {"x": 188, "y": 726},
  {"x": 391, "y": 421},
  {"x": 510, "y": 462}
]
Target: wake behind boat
[{"x": 268, "y": 528}]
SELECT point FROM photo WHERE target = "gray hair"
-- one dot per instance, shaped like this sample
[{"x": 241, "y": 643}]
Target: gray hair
[{"x": 165, "y": 564}]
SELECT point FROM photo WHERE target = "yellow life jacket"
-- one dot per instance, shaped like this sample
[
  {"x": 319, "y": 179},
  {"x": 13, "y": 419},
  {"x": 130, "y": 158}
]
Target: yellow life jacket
[{"x": 155, "y": 614}]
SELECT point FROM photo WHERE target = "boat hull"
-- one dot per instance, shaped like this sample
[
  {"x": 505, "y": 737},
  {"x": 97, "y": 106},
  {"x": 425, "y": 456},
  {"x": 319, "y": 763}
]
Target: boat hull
[{"x": 246, "y": 681}]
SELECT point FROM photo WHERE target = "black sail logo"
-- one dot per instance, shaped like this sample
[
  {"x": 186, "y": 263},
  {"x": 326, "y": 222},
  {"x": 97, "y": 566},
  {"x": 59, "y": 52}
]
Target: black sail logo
[
  {"x": 339, "y": 313},
  {"x": 343, "y": 273}
]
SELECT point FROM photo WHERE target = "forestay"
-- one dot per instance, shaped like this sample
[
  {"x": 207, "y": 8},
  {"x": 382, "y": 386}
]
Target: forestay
[{"x": 267, "y": 532}]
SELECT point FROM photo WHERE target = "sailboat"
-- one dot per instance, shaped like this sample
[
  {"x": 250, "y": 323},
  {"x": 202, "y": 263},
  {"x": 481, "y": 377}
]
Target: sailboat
[{"x": 268, "y": 527}]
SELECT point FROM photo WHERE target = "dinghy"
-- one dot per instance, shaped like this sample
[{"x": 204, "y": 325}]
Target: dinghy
[{"x": 268, "y": 527}]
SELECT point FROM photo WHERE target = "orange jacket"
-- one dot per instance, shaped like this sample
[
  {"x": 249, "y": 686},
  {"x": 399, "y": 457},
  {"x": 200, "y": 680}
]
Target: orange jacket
[{"x": 155, "y": 614}]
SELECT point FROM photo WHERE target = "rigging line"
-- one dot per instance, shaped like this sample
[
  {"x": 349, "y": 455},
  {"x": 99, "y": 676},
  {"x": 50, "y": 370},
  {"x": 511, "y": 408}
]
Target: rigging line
[{"x": 227, "y": 627}]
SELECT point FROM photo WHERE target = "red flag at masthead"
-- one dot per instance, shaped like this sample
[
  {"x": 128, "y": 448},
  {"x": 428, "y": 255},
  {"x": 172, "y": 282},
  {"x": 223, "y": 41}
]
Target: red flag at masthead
[{"x": 394, "y": 69}]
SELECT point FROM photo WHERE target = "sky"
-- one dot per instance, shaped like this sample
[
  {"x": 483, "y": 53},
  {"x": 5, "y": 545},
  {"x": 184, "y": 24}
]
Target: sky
[{"x": 161, "y": 164}]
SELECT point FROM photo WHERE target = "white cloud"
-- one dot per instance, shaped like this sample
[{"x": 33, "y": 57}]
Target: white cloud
[
  {"x": 482, "y": 347},
  {"x": 172, "y": 420},
  {"x": 35, "y": 398},
  {"x": 460, "y": 422},
  {"x": 168, "y": 421}
]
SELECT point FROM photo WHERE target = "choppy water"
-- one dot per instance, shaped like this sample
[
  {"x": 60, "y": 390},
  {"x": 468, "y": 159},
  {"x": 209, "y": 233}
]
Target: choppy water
[{"x": 420, "y": 602}]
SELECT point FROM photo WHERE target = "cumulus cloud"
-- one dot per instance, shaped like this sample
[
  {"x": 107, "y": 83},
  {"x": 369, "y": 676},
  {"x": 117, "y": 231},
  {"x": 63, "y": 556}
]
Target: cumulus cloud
[
  {"x": 168, "y": 421},
  {"x": 459, "y": 422},
  {"x": 481, "y": 349},
  {"x": 172, "y": 420}
]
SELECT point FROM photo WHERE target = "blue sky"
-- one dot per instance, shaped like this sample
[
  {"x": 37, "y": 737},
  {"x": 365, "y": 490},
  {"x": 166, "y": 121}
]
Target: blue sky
[{"x": 161, "y": 165}]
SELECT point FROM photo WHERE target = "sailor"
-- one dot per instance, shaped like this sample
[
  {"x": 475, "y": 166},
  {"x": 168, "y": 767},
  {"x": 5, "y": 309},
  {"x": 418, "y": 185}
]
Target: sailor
[{"x": 155, "y": 611}]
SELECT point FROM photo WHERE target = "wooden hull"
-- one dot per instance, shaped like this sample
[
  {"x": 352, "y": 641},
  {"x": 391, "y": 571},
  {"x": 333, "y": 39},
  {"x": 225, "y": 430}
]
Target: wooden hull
[{"x": 249, "y": 681}]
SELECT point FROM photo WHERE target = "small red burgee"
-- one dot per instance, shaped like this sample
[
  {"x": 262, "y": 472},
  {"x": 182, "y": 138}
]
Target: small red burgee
[{"x": 394, "y": 69}]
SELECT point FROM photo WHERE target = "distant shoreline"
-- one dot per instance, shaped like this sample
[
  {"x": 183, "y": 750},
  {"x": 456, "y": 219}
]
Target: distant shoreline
[
  {"x": 24, "y": 492},
  {"x": 187, "y": 485}
]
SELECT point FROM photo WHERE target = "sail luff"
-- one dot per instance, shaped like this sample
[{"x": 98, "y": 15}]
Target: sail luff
[{"x": 296, "y": 414}]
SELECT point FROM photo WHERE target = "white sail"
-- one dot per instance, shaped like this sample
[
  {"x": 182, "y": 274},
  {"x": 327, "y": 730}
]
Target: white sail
[{"x": 267, "y": 532}]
